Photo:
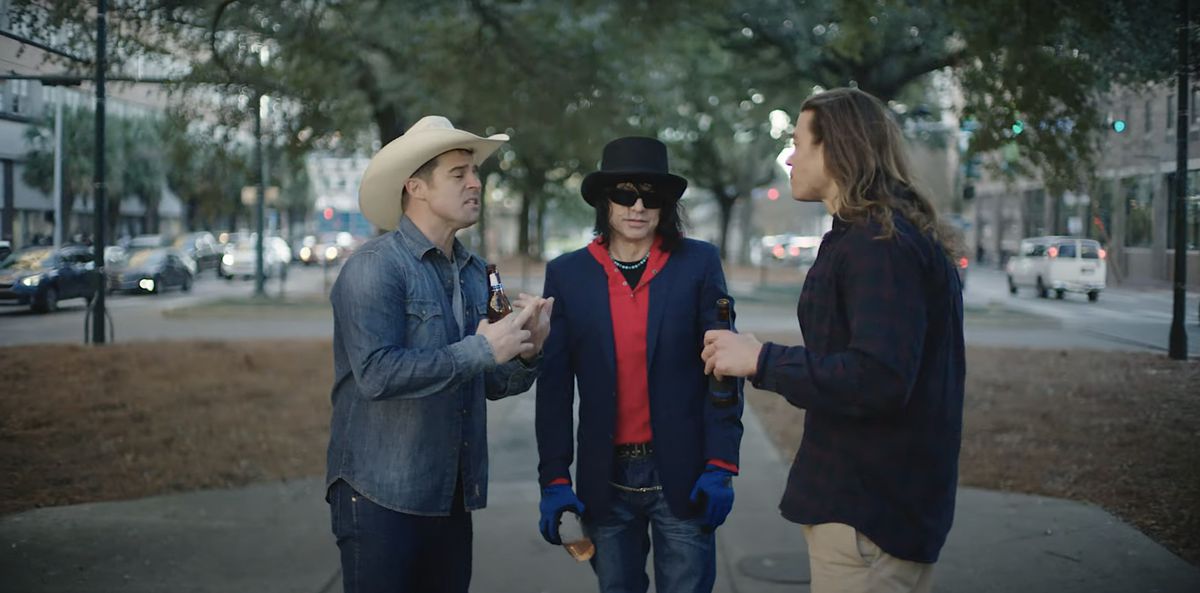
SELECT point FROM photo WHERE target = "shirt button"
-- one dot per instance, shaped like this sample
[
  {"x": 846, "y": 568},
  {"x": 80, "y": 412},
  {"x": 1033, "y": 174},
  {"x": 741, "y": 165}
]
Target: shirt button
[{"x": 624, "y": 284}]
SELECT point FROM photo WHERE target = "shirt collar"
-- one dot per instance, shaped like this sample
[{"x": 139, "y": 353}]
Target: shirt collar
[{"x": 419, "y": 245}]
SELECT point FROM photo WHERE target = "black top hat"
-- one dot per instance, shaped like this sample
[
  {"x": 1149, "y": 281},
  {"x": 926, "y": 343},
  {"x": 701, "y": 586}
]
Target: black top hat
[{"x": 635, "y": 159}]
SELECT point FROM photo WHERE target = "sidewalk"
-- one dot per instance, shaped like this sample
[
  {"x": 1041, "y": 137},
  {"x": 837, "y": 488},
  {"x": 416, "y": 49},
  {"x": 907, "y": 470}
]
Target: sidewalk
[{"x": 275, "y": 538}]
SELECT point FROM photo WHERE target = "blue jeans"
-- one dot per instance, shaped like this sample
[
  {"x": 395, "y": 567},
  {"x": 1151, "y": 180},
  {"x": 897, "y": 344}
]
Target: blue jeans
[
  {"x": 684, "y": 556},
  {"x": 384, "y": 550}
]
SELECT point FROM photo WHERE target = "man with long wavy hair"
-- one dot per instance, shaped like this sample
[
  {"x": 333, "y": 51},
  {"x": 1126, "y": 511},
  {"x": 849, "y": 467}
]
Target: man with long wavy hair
[{"x": 882, "y": 368}]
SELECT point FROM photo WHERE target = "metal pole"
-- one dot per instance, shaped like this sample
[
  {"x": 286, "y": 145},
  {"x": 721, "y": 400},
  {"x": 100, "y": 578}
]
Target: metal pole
[
  {"x": 260, "y": 164},
  {"x": 98, "y": 313},
  {"x": 1178, "y": 349},
  {"x": 56, "y": 193}
]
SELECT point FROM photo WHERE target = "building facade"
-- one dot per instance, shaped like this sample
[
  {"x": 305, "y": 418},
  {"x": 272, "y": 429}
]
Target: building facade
[
  {"x": 1130, "y": 205},
  {"x": 27, "y": 213}
]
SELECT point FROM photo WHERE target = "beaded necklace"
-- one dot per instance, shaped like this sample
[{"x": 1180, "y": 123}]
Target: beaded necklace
[{"x": 625, "y": 266}]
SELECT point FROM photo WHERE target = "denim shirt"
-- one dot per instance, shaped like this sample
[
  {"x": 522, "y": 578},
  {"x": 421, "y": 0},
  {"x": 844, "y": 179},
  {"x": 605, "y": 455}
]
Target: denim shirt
[{"x": 408, "y": 392}]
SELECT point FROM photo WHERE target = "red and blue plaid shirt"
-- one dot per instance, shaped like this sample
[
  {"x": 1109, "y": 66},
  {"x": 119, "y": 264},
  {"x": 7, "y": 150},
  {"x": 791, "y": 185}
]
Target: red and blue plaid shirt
[{"x": 881, "y": 378}]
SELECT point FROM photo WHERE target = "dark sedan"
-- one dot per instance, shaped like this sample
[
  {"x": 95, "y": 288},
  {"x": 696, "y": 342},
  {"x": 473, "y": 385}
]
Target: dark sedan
[
  {"x": 42, "y": 276},
  {"x": 150, "y": 270}
]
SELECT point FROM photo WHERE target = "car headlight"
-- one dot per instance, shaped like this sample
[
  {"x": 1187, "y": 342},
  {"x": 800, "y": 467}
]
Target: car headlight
[
  {"x": 305, "y": 253},
  {"x": 227, "y": 259},
  {"x": 33, "y": 280},
  {"x": 331, "y": 252}
]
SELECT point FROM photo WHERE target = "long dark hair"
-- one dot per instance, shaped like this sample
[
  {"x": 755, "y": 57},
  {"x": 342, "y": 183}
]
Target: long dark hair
[
  {"x": 865, "y": 154},
  {"x": 670, "y": 224}
]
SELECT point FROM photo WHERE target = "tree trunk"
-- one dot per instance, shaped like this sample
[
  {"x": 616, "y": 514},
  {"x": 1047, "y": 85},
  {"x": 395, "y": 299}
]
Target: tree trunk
[
  {"x": 523, "y": 223},
  {"x": 541, "y": 225},
  {"x": 726, "y": 204}
]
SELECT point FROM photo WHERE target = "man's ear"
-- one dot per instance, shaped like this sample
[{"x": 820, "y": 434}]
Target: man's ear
[{"x": 413, "y": 184}]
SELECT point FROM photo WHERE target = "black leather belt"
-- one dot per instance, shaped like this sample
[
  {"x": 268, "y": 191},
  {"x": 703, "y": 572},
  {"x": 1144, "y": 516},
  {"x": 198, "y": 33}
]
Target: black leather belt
[{"x": 632, "y": 450}]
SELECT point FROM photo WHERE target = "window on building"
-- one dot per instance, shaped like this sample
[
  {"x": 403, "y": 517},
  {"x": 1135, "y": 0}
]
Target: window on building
[
  {"x": 1139, "y": 210},
  {"x": 1101, "y": 213},
  {"x": 1192, "y": 224},
  {"x": 1035, "y": 209}
]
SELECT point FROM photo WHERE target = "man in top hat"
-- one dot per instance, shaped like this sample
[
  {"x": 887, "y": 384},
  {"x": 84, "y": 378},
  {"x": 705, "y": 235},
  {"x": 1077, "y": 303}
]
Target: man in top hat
[
  {"x": 655, "y": 454},
  {"x": 414, "y": 358}
]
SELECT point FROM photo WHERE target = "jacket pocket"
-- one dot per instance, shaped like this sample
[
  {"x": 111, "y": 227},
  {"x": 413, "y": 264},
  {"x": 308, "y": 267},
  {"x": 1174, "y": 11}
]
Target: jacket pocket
[{"x": 424, "y": 322}]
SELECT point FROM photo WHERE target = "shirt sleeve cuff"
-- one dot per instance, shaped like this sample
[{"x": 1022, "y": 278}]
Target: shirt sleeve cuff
[
  {"x": 559, "y": 482},
  {"x": 530, "y": 364},
  {"x": 473, "y": 355},
  {"x": 764, "y": 362},
  {"x": 724, "y": 465}
]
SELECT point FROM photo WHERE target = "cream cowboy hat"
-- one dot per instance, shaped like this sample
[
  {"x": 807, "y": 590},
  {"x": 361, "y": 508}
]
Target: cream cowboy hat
[{"x": 383, "y": 182}]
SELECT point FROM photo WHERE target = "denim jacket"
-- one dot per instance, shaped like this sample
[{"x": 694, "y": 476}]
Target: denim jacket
[{"x": 408, "y": 393}]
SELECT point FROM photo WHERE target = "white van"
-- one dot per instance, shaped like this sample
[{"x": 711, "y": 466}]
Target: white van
[{"x": 1061, "y": 264}]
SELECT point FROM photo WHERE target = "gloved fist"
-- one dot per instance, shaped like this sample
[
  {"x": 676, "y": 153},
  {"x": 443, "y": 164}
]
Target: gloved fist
[
  {"x": 555, "y": 500},
  {"x": 716, "y": 486}
]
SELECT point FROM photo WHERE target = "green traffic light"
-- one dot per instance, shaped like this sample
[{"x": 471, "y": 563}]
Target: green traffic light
[
  {"x": 1118, "y": 126},
  {"x": 1018, "y": 127}
]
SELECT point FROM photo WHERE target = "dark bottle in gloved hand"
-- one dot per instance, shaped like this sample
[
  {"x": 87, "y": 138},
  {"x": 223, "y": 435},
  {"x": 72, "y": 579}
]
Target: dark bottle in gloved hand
[{"x": 723, "y": 392}]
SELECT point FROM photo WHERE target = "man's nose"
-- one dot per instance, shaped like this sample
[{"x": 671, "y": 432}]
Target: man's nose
[
  {"x": 473, "y": 180},
  {"x": 638, "y": 205}
]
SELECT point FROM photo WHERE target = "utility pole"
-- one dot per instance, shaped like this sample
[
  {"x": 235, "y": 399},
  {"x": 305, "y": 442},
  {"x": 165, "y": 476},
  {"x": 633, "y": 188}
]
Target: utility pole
[
  {"x": 57, "y": 192},
  {"x": 98, "y": 313},
  {"x": 1178, "y": 349},
  {"x": 260, "y": 210}
]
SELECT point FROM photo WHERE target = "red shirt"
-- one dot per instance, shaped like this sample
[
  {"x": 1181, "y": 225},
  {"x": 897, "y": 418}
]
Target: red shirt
[{"x": 630, "y": 309}]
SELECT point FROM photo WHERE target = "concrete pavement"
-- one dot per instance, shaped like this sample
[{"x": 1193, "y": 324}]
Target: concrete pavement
[{"x": 275, "y": 537}]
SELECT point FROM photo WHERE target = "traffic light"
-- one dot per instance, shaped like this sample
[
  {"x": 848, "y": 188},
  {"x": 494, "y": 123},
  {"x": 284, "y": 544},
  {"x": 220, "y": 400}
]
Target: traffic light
[
  {"x": 1018, "y": 127},
  {"x": 328, "y": 214},
  {"x": 1118, "y": 125},
  {"x": 772, "y": 194}
]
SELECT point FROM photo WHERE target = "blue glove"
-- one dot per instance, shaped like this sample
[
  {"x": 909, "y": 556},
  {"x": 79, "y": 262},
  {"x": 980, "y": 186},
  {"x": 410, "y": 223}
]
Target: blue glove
[
  {"x": 555, "y": 500},
  {"x": 716, "y": 486}
]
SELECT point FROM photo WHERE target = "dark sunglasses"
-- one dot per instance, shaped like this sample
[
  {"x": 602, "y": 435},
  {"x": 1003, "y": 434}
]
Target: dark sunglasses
[{"x": 627, "y": 195}]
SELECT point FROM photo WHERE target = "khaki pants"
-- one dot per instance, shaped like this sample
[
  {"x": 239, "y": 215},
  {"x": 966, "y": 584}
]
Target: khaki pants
[{"x": 842, "y": 560}]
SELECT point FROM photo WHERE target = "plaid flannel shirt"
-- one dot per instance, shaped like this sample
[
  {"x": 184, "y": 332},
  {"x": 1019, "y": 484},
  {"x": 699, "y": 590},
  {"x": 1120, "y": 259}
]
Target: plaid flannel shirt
[{"x": 881, "y": 379}]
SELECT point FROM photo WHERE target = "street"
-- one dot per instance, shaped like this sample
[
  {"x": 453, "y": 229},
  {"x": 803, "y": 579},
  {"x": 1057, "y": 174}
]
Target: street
[
  {"x": 140, "y": 316},
  {"x": 1123, "y": 319}
]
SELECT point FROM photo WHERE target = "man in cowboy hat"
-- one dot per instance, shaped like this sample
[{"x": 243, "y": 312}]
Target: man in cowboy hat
[
  {"x": 414, "y": 359},
  {"x": 655, "y": 454}
]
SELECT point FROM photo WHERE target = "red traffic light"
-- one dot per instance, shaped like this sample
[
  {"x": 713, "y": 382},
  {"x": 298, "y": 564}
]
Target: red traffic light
[
  {"x": 328, "y": 214},
  {"x": 772, "y": 194}
]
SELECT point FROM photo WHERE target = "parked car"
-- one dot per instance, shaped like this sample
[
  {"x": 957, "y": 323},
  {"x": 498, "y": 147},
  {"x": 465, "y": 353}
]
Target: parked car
[
  {"x": 239, "y": 258},
  {"x": 146, "y": 242},
  {"x": 203, "y": 248},
  {"x": 5, "y": 249},
  {"x": 1059, "y": 264},
  {"x": 42, "y": 276},
  {"x": 152, "y": 271}
]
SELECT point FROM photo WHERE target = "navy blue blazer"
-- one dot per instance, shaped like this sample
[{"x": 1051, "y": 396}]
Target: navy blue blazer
[{"x": 688, "y": 430}]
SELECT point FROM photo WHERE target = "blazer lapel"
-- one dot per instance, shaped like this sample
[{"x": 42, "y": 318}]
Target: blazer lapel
[
  {"x": 593, "y": 287},
  {"x": 660, "y": 294}
]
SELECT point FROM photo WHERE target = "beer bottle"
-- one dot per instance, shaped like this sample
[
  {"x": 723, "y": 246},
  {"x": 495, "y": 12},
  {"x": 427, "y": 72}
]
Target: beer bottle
[
  {"x": 723, "y": 393},
  {"x": 498, "y": 305}
]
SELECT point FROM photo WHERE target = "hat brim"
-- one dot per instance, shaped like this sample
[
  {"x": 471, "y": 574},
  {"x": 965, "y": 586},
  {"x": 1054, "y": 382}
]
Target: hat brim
[
  {"x": 383, "y": 182},
  {"x": 592, "y": 189}
]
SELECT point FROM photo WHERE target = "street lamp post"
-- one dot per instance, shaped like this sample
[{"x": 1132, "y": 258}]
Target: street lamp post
[
  {"x": 261, "y": 101},
  {"x": 98, "y": 312},
  {"x": 1178, "y": 340}
]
